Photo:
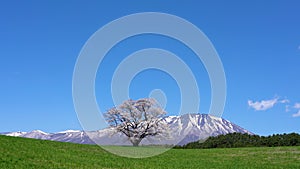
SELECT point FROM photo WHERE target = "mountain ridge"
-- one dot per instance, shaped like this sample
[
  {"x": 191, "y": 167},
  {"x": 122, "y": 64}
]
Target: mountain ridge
[{"x": 184, "y": 129}]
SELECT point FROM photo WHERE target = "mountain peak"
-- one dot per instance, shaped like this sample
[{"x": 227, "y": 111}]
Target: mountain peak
[
  {"x": 69, "y": 131},
  {"x": 38, "y": 131}
]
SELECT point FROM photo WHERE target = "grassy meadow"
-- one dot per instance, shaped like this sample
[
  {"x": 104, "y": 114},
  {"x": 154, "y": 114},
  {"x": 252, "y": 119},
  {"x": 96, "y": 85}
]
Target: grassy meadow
[{"x": 30, "y": 153}]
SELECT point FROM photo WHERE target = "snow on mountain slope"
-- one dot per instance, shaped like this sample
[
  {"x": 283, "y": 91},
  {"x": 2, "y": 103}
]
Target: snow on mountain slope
[
  {"x": 16, "y": 134},
  {"x": 193, "y": 127},
  {"x": 183, "y": 129},
  {"x": 37, "y": 134},
  {"x": 71, "y": 136}
]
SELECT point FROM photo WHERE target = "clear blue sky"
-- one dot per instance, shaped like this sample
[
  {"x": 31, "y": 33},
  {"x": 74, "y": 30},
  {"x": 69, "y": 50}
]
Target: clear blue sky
[{"x": 258, "y": 43}]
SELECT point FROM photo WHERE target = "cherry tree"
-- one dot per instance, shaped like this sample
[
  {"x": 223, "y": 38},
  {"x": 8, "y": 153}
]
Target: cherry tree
[{"x": 138, "y": 120}]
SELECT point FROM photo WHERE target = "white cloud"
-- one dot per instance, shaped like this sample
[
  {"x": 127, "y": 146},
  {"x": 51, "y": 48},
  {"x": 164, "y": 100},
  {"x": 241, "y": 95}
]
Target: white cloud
[
  {"x": 262, "y": 105},
  {"x": 268, "y": 104},
  {"x": 296, "y": 114},
  {"x": 284, "y": 101},
  {"x": 297, "y": 106},
  {"x": 287, "y": 108}
]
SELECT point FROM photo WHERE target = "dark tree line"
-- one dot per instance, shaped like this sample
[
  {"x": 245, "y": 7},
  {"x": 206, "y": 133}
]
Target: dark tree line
[{"x": 234, "y": 140}]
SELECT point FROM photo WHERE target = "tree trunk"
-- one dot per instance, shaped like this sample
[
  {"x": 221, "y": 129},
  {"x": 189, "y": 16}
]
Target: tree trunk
[{"x": 135, "y": 141}]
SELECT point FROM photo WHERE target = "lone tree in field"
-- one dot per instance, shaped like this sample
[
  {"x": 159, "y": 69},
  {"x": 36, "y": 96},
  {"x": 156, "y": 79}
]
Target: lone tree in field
[{"x": 138, "y": 119}]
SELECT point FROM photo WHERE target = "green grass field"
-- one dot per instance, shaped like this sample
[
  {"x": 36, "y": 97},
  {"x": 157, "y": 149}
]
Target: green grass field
[{"x": 30, "y": 153}]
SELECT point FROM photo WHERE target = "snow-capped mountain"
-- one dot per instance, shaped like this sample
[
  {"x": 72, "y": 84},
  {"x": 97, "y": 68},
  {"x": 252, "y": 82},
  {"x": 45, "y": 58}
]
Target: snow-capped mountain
[
  {"x": 183, "y": 129},
  {"x": 38, "y": 134},
  {"x": 193, "y": 127},
  {"x": 16, "y": 134}
]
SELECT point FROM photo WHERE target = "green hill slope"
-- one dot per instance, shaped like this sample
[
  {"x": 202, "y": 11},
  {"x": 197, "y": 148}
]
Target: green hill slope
[{"x": 30, "y": 153}]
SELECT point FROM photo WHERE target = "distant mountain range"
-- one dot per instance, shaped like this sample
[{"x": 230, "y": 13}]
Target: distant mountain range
[{"x": 183, "y": 129}]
